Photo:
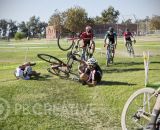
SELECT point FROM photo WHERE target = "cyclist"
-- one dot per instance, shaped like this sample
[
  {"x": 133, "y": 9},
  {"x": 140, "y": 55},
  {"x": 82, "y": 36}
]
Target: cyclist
[
  {"x": 87, "y": 38},
  {"x": 25, "y": 71},
  {"x": 90, "y": 72},
  {"x": 110, "y": 38},
  {"x": 155, "y": 114},
  {"x": 128, "y": 37}
]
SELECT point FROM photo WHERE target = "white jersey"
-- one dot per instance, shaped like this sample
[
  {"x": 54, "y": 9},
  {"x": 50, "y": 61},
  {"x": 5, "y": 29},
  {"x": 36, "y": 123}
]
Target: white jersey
[{"x": 20, "y": 73}]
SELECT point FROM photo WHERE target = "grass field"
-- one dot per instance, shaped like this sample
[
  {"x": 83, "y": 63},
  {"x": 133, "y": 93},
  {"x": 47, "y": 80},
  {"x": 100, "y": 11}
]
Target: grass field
[{"x": 51, "y": 103}]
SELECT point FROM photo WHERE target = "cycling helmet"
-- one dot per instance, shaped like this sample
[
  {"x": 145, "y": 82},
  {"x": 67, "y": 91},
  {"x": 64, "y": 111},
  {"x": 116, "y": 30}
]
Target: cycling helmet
[
  {"x": 91, "y": 61},
  {"x": 111, "y": 29}
]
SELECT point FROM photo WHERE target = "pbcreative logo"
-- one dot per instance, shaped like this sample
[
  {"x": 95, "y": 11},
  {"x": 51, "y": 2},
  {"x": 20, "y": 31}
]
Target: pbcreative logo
[{"x": 4, "y": 109}]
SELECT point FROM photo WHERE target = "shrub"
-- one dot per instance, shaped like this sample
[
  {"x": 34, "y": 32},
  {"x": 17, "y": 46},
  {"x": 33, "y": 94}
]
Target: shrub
[{"x": 19, "y": 35}]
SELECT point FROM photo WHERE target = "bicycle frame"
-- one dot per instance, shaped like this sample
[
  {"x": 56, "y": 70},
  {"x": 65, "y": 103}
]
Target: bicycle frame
[{"x": 110, "y": 48}]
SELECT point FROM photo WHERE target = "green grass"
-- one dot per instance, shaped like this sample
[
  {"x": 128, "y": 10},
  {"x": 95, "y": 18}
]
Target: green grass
[{"x": 63, "y": 104}]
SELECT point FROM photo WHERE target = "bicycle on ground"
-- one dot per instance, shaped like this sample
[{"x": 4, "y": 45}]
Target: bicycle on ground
[{"x": 60, "y": 68}]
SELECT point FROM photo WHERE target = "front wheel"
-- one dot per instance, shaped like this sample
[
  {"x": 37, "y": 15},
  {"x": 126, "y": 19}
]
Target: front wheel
[
  {"x": 137, "y": 111},
  {"x": 50, "y": 59},
  {"x": 65, "y": 41}
]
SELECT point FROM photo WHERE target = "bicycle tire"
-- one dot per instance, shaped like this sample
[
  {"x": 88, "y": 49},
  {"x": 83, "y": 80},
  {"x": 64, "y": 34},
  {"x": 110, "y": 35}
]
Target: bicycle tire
[
  {"x": 62, "y": 41},
  {"x": 132, "y": 50},
  {"x": 108, "y": 56},
  {"x": 50, "y": 59},
  {"x": 58, "y": 72},
  {"x": 128, "y": 103}
]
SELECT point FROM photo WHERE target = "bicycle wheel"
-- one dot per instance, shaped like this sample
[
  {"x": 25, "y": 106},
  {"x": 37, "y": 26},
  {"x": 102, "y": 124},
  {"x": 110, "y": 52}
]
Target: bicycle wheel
[
  {"x": 58, "y": 71},
  {"x": 137, "y": 110},
  {"x": 132, "y": 50},
  {"x": 108, "y": 56},
  {"x": 65, "y": 41},
  {"x": 50, "y": 59}
]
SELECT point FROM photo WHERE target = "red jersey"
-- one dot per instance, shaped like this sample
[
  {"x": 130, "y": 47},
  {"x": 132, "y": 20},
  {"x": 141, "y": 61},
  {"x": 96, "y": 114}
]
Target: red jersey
[
  {"x": 86, "y": 37},
  {"x": 127, "y": 35}
]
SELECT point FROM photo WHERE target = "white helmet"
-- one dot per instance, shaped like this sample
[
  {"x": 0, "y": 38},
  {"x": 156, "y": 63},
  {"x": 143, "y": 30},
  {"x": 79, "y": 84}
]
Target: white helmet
[{"x": 91, "y": 61}]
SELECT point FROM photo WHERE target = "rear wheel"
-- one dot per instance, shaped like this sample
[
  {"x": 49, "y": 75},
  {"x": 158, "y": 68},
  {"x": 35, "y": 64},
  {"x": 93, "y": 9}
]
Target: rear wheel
[
  {"x": 109, "y": 56},
  {"x": 137, "y": 111}
]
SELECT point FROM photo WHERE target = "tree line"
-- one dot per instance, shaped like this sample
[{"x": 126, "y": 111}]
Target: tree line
[{"x": 73, "y": 19}]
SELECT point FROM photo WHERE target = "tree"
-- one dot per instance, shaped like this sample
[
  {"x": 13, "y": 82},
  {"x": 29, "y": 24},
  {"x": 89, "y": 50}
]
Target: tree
[
  {"x": 98, "y": 20},
  {"x": 56, "y": 20},
  {"x": 35, "y": 26},
  {"x": 23, "y": 28},
  {"x": 75, "y": 19},
  {"x": 155, "y": 22},
  {"x": 110, "y": 15},
  {"x": 12, "y": 28},
  {"x": 32, "y": 25},
  {"x": 90, "y": 21},
  {"x": 128, "y": 21},
  {"x": 3, "y": 26}
]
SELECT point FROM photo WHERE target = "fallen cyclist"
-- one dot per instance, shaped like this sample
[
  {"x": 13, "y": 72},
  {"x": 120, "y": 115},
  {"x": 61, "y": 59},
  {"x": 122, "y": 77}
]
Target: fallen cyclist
[
  {"x": 25, "y": 71},
  {"x": 89, "y": 71}
]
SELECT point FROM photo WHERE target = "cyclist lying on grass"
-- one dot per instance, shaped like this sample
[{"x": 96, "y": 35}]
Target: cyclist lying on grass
[
  {"x": 90, "y": 72},
  {"x": 25, "y": 71}
]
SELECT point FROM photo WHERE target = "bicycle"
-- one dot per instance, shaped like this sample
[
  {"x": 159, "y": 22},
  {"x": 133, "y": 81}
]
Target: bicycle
[
  {"x": 59, "y": 68},
  {"x": 70, "y": 41},
  {"x": 130, "y": 47},
  {"x": 137, "y": 111},
  {"x": 110, "y": 49}
]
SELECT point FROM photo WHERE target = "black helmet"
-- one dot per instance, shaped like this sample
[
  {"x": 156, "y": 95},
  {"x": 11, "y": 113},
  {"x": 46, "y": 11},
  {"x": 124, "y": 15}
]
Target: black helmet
[{"x": 111, "y": 29}]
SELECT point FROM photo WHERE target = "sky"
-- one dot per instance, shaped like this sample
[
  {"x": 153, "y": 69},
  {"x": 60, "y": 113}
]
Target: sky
[{"x": 22, "y": 10}]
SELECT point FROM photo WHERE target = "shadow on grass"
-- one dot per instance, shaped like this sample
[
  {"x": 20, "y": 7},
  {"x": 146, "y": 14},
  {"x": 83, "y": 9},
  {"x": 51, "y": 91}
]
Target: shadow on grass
[
  {"x": 134, "y": 63},
  {"x": 115, "y": 83},
  {"x": 124, "y": 70},
  {"x": 129, "y": 63},
  {"x": 42, "y": 77},
  {"x": 154, "y": 62},
  {"x": 156, "y": 86}
]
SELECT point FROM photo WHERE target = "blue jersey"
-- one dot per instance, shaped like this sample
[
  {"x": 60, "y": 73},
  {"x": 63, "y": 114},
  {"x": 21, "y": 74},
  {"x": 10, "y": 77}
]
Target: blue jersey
[{"x": 112, "y": 37}]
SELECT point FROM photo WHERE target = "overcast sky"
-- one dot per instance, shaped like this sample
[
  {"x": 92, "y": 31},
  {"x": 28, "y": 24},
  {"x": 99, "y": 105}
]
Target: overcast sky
[{"x": 22, "y": 10}]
